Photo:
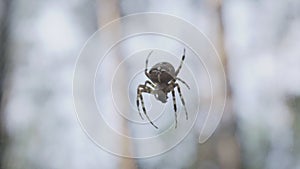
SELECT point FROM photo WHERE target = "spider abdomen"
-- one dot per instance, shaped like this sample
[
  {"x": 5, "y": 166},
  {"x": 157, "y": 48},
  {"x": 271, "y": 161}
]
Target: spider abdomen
[{"x": 162, "y": 72}]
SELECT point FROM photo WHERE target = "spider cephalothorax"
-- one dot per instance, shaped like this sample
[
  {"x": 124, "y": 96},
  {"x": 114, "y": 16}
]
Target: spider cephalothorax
[{"x": 162, "y": 81}]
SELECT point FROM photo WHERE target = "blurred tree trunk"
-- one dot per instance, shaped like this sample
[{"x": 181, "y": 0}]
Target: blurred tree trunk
[
  {"x": 223, "y": 144},
  {"x": 227, "y": 146},
  {"x": 4, "y": 28},
  {"x": 108, "y": 11},
  {"x": 294, "y": 104}
]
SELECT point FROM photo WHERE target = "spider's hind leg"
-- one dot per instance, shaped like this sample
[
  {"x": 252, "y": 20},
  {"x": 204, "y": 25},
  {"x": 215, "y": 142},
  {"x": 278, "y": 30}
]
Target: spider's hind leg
[
  {"x": 138, "y": 102},
  {"x": 182, "y": 100},
  {"x": 175, "y": 107},
  {"x": 140, "y": 90}
]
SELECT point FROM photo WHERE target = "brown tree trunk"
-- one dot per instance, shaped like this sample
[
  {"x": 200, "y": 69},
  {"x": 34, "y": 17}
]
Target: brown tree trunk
[
  {"x": 222, "y": 149},
  {"x": 109, "y": 11},
  {"x": 4, "y": 28},
  {"x": 227, "y": 147}
]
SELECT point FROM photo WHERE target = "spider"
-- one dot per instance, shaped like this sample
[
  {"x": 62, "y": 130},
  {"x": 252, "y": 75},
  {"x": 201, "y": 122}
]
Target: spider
[{"x": 162, "y": 80}]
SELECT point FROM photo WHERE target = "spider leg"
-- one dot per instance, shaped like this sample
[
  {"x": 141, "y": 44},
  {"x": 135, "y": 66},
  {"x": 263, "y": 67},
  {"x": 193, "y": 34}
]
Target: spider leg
[
  {"x": 146, "y": 68},
  {"x": 182, "y": 81},
  {"x": 144, "y": 109},
  {"x": 183, "y": 56},
  {"x": 182, "y": 100},
  {"x": 150, "y": 83},
  {"x": 141, "y": 89},
  {"x": 175, "y": 108},
  {"x": 139, "y": 92}
]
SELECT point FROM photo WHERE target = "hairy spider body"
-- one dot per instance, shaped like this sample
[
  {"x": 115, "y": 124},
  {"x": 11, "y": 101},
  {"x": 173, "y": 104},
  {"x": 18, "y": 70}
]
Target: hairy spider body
[
  {"x": 162, "y": 72},
  {"x": 163, "y": 78}
]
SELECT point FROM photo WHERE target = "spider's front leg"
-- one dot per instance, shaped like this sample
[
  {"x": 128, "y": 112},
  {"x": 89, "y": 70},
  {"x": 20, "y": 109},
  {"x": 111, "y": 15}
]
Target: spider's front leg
[
  {"x": 146, "y": 66},
  {"x": 180, "y": 66},
  {"x": 140, "y": 90}
]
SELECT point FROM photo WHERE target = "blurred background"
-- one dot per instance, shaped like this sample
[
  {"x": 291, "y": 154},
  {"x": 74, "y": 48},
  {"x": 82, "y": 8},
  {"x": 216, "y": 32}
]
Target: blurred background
[{"x": 258, "y": 43}]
